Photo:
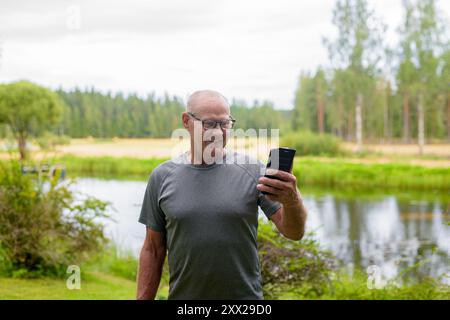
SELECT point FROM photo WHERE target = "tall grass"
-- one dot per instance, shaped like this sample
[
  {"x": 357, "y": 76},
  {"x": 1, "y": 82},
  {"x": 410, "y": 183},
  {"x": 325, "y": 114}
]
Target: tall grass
[
  {"x": 309, "y": 143},
  {"x": 354, "y": 287},
  {"x": 110, "y": 167},
  {"x": 123, "y": 264},
  {"x": 310, "y": 172},
  {"x": 392, "y": 176},
  {"x": 114, "y": 261}
]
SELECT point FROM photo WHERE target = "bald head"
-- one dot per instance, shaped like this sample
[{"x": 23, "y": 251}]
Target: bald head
[{"x": 207, "y": 101}]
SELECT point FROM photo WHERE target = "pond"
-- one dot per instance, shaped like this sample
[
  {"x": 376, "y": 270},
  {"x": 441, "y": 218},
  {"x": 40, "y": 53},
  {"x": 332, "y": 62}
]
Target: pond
[{"x": 390, "y": 231}]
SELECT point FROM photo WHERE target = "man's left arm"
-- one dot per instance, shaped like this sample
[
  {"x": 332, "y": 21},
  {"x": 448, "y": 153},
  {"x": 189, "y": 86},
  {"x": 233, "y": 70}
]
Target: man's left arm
[{"x": 291, "y": 217}]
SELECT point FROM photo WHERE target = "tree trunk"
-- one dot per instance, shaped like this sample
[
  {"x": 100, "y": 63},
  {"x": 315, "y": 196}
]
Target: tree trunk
[
  {"x": 359, "y": 122},
  {"x": 448, "y": 116},
  {"x": 386, "y": 120},
  {"x": 21, "y": 142},
  {"x": 406, "y": 135},
  {"x": 350, "y": 121},
  {"x": 320, "y": 110},
  {"x": 341, "y": 118},
  {"x": 420, "y": 124}
]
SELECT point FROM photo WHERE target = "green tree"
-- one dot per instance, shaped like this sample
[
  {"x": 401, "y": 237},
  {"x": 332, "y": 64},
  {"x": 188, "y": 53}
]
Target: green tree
[
  {"x": 422, "y": 47},
  {"x": 310, "y": 102},
  {"x": 445, "y": 86},
  {"x": 321, "y": 88},
  {"x": 28, "y": 109},
  {"x": 406, "y": 72},
  {"x": 304, "y": 103},
  {"x": 355, "y": 55}
]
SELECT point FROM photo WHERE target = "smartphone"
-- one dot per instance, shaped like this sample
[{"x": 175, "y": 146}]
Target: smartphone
[{"x": 280, "y": 159}]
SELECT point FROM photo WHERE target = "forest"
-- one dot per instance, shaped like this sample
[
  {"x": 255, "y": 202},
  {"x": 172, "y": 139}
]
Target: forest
[{"x": 92, "y": 113}]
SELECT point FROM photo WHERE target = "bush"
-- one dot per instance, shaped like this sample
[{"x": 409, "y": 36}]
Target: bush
[
  {"x": 301, "y": 268},
  {"x": 49, "y": 141},
  {"x": 354, "y": 287},
  {"x": 308, "y": 143},
  {"x": 43, "y": 228}
]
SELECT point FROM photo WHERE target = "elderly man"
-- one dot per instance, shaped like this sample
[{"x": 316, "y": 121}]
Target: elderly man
[{"x": 205, "y": 214}]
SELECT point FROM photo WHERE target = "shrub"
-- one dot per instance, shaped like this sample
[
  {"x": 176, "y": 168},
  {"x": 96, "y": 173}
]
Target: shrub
[
  {"x": 43, "y": 228},
  {"x": 308, "y": 143},
  {"x": 298, "y": 267},
  {"x": 49, "y": 141},
  {"x": 354, "y": 287},
  {"x": 302, "y": 270}
]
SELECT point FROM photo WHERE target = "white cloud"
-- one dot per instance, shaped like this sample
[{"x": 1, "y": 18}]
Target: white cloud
[{"x": 245, "y": 49}]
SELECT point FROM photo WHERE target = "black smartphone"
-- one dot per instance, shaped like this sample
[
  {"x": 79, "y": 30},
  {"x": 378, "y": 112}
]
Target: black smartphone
[{"x": 280, "y": 159}]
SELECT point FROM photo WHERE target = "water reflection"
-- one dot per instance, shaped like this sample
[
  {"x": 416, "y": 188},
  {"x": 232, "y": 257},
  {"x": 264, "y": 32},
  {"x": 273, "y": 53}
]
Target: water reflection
[{"x": 387, "y": 231}]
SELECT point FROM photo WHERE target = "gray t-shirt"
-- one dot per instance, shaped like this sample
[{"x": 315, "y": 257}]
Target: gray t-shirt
[{"x": 210, "y": 217}]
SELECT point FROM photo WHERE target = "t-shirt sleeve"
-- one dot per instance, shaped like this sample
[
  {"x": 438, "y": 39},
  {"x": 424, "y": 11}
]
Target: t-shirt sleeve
[
  {"x": 267, "y": 206},
  {"x": 151, "y": 213}
]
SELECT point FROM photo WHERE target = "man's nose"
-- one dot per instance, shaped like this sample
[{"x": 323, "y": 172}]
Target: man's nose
[{"x": 218, "y": 126}]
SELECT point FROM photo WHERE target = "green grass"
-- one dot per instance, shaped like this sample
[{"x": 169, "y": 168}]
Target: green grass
[
  {"x": 110, "y": 167},
  {"x": 346, "y": 287},
  {"x": 391, "y": 176},
  {"x": 336, "y": 173},
  {"x": 109, "y": 275},
  {"x": 101, "y": 286},
  {"x": 94, "y": 286}
]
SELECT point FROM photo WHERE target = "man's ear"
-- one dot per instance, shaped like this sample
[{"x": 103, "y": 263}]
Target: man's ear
[{"x": 185, "y": 119}]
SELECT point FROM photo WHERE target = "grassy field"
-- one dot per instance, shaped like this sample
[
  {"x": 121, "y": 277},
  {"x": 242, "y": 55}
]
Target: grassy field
[
  {"x": 114, "y": 285},
  {"x": 162, "y": 148},
  {"x": 109, "y": 275},
  {"x": 95, "y": 286},
  {"x": 335, "y": 173},
  {"x": 340, "y": 173},
  {"x": 435, "y": 155},
  {"x": 99, "y": 286}
]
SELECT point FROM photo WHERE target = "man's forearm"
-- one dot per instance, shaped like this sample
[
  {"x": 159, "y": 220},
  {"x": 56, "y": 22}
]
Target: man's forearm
[
  {"x": 149, "y": 275},
  {"x": 294, "y": 219}
]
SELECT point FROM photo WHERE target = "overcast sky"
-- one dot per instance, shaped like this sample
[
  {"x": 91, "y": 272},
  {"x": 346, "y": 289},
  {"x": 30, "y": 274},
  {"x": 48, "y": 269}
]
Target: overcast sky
[{"x": 252, "y": 49}]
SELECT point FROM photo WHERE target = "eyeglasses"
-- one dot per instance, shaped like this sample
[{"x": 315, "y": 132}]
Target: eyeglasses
[{"x": 212, "y": 124}]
